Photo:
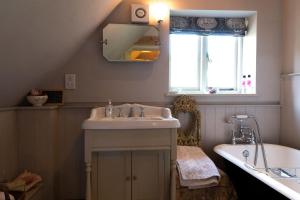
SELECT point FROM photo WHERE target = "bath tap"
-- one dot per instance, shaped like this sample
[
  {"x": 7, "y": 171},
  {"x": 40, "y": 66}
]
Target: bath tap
[
  {"x": 246, "y": 136},
  {"x": 249, "y": 136}
]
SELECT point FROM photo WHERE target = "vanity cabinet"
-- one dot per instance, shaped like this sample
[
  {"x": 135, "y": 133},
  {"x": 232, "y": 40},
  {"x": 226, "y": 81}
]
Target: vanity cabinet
[
  {"x": 149, "y": 174},
  {"x": 130, "y": 175},
  {"x": 137, "y": 164}
]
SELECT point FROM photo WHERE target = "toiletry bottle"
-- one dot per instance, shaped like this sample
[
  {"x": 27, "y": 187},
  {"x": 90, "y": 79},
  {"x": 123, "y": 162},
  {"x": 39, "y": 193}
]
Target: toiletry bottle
[
  {"x": 109, "y": 109},
  {"x": 244, "y": 80},
  {"x": 249, "y": 85}
]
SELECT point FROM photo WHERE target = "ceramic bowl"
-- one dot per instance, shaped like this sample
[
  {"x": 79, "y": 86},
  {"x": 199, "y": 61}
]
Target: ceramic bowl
[{"x": 37, "y": 100}]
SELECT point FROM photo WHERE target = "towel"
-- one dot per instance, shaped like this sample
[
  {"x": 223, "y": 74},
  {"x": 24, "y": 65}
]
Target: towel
[
  {"x": 24, "y": 182},
  {"x": 196, "y": 169},
  {"x": 2, "y": 196}
]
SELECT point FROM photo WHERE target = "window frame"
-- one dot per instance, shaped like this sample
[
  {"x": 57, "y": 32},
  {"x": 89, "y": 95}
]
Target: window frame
[{"x": 203, "y": 68}]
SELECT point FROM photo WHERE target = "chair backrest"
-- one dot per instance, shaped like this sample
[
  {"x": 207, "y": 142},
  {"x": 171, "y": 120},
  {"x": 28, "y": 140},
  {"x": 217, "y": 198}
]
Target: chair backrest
[{"x": 191, "y": 135}]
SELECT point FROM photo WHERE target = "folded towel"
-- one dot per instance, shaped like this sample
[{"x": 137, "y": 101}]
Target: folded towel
[
  {"x": 196, "y": 169},
  {"x": 24, "y": 182}
]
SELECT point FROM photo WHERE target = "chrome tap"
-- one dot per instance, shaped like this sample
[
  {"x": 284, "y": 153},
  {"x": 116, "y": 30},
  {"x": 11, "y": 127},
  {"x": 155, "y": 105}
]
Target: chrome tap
[
  {"x": 109, "y": 109},
  {"x": 246, "y": 135},
  {"x": 142, "y": 111},
  {"x": 262, "y": 147},
  {"x": 243, "y": 133}
]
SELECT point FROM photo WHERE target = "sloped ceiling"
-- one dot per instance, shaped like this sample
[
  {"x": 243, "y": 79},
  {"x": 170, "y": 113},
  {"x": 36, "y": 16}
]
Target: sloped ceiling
[{"x": 36, "y": 37}]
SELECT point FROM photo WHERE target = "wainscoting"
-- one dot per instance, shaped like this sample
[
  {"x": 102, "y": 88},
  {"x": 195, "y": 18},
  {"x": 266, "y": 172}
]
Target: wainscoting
[
  {"x": 8, "y": 144},
  {"x": 37, "y": 144},
  {"x": 50, "y": 141},
  {"x": 215, "y": 130}
]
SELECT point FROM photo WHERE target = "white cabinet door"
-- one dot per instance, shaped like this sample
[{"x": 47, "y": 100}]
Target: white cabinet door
[
  {"x": 114, "y": 176},
  {"x": 148, "y": 175}
]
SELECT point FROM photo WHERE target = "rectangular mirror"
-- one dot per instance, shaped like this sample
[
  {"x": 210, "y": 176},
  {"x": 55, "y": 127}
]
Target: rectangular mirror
[{"x": 131, "y": 43}]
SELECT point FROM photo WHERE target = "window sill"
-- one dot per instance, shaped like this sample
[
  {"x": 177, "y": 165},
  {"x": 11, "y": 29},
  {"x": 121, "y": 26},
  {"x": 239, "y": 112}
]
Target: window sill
[{"x": 223, "y": 94}]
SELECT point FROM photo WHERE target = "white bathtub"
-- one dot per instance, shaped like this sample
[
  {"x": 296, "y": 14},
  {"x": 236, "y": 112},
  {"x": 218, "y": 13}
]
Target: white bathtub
[{"x": 277, "y": 157}]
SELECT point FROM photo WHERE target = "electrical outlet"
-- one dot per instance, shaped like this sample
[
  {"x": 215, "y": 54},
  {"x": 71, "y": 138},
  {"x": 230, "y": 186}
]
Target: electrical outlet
[{"x": 70, "y": 81}]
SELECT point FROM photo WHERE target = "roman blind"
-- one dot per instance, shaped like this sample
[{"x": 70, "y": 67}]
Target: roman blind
[{"x": 209, "y": 25}]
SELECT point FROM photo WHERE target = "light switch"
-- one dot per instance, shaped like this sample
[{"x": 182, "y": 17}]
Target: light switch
[{"x": 70, "y": 81}]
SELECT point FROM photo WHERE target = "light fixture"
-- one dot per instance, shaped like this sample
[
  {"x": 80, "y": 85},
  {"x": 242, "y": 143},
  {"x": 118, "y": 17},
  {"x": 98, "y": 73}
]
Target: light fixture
[{"x": 159, "y": 11}]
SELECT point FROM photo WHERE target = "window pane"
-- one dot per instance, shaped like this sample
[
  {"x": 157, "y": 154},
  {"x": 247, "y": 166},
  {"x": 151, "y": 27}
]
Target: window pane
[
  {"x": 184, "y": 61},
  {"x": 222, "y": 58}
]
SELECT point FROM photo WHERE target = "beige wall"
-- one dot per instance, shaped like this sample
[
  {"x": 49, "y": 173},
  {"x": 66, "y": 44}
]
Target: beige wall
[
  {"x": 290, "y": 97},
  {"x": 99, "y": 80},
  {"x": 62, "y": 163},
  {"x": 291, "y": 39},
  {"x": 38, "y": 37}
]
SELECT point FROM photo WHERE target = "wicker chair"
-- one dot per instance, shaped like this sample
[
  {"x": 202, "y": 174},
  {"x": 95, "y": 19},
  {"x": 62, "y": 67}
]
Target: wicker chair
[{"x": 191, "y": 136}]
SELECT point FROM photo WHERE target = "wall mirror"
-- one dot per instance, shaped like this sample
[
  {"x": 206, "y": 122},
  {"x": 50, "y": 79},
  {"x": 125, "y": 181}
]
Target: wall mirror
[{"x": 131, "y": 43}]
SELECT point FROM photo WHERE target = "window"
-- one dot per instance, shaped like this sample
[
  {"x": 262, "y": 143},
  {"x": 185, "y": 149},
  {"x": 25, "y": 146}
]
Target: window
[{"x": 198, "y": 63}]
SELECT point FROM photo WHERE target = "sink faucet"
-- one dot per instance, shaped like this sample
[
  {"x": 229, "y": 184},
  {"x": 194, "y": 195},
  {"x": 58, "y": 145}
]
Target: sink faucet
[
  {"x": 142, "y": 111},
  {"x": 119, "y": 111},
  {"x": 109, "y": 109}
]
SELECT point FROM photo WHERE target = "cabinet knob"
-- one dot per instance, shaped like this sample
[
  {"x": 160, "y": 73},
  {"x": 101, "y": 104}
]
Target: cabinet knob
[
  {"x": 134, "y": 178},
  {"x": 127, "y": 178}
]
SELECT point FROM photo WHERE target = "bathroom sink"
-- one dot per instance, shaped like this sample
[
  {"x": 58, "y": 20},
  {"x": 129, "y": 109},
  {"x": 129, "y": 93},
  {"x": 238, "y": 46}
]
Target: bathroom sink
[
  {"x": 131, "y": 118},
  {"x": 153, "y": 117}
]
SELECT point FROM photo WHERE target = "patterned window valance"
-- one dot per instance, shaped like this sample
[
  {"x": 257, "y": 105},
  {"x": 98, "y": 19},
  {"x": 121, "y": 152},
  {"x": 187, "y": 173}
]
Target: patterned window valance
[{"x": 209, "y": 25}]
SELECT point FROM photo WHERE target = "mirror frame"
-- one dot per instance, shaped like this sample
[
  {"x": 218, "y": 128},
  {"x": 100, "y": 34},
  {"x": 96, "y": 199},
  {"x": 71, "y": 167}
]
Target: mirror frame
[{"x": 144, "y": 54}]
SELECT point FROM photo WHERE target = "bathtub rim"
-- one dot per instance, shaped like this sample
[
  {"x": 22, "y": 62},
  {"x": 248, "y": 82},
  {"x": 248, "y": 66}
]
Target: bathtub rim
[{"x": 276, "y": 185}]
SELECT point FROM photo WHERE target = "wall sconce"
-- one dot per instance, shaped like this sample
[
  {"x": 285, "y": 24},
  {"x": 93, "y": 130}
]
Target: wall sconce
[{"x": 159, "y": 11}]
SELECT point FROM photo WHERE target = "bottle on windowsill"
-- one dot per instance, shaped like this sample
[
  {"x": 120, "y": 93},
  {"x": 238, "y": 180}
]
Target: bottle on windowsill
[
  {"x": 249, "y": 86},
  {"x": 244, "y": 82}
]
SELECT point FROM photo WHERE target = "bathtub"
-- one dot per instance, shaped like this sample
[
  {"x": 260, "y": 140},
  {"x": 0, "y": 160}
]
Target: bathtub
[{"x": 285, "y": 158}]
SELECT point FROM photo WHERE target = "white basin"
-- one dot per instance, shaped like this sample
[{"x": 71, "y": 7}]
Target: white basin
[
  {"x": 131, "y": 118},
  {"x": 154, "y": 117}
]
